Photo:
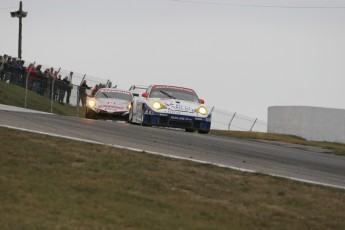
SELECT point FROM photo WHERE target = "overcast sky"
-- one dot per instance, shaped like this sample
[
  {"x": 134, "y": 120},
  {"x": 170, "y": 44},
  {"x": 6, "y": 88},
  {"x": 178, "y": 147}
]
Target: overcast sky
[{"x": 238, "y": 58}]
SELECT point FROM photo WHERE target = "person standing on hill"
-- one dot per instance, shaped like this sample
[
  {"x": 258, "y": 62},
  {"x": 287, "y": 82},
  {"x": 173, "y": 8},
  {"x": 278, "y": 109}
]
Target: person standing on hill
[
  {"x": 70, "y": 87},
  {"x": 4, "y": 67},
  {"x": 95, "y": 89},
  {"x": 82, "y": 93},
  {"x": 32, "y": 76},
  {"x": 37, "y": 82},
  {"x": 62, "y": 86}
]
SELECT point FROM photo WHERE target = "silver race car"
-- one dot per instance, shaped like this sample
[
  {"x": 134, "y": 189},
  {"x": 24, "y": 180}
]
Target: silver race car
[
  {"x": 109, "y": 103},
  {"x": 171, "y": 106}
]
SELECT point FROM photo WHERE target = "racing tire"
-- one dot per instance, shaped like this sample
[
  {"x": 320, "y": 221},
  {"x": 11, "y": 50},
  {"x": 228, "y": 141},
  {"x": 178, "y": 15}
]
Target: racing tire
[
  {"x": 89, "y": 114},
  {"x": 126, "y": 118},
  {"x": 203, "y": 131},
  {"x": 130, "y": 116},
  {"x": 190, "y": 130},
  {"x": 142, "y": 118}
]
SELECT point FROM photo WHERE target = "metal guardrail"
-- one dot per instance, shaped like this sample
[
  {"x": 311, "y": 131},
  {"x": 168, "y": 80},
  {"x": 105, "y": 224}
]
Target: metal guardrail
[{"x": 226, "y": 120}]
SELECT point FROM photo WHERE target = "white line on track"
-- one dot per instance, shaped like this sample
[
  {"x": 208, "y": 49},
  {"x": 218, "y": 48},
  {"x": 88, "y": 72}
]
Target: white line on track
[{"x": 171, "y": 156}]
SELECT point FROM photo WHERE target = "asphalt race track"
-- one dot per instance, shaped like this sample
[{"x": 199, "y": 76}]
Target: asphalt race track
[{"x": 296, "y": 162}]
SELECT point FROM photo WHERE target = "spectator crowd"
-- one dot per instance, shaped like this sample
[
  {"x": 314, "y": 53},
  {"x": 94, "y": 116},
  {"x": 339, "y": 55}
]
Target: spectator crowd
[{"x": 48, "y": 82}]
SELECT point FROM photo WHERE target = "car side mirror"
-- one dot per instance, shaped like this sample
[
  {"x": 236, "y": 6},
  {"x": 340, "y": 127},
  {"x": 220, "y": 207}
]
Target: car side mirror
[
  {"x": 146, "y": 95},
  {"x": 202, "y": 101}
]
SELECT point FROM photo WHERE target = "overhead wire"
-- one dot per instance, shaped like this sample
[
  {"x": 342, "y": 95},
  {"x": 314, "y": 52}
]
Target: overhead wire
[
  {"x": 258, "y": 6},
  {"x": 7, "y": 8}
]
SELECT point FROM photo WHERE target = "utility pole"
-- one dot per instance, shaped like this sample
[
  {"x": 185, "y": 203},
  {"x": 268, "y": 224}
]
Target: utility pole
[{"x": 19, "y": 14}]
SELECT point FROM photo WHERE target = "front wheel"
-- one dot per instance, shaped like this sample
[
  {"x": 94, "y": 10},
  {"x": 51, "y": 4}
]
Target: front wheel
[
  {"x": 89, "y": 114},
  {"x": 190, "y": 130},
  {"x": 143, "y": 118},
  {"x": 130, "y": 116},
  {"x": 126, "y": 118}
]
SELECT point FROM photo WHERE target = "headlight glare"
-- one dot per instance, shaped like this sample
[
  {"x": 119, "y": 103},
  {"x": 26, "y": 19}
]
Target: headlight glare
[
  {"x": 158, "y": 105},
  {"x": 202, "y": 110},
  {"x": 92, "y": 103},
  {"x": 129, "y": 106}
]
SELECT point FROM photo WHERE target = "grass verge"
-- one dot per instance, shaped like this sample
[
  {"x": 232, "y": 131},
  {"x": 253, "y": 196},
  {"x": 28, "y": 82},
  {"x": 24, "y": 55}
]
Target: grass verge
[
  {"x": 337, "y": 148},
  {"x": 53, "y": 183}
]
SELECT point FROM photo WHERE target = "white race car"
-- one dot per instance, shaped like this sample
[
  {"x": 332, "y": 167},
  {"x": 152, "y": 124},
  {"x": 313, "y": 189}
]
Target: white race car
[
  {"x": 109, "y": 103},
  {"x": 171, "y": 106}
]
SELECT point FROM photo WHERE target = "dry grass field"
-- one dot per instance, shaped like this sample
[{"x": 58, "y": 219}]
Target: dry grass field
[{"x": 54, "y": 183}]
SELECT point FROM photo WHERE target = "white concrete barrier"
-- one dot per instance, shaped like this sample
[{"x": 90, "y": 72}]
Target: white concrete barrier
[{"x": 311, "y": 123}]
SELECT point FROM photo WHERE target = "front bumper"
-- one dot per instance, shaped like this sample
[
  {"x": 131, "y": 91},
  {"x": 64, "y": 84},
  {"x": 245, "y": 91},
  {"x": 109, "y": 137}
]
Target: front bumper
[
  {"x": 176, "y": 120},
  {"x": 118, "y": 115}
]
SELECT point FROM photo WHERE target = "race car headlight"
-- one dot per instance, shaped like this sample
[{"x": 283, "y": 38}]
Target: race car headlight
[
  {"x": 129, "y": 106},
  {"x": 158, "y": 105},
  {"x": 202, "y": 110},
  {"x": 92, "y": 103}
]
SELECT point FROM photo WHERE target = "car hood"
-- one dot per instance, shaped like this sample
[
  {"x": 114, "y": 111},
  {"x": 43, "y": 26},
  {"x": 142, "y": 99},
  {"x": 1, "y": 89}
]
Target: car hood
[
  {"x": 111, "y": 101},
  {"x": 110, "y": 104}
]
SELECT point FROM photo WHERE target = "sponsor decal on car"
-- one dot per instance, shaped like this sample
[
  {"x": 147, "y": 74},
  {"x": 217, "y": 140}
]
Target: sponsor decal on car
[
  {"x": 111, "y": 108},
  {"x": 183, "y": 108},
  {"x": 171, "y": 111},
  {"x": 181, "y": 118}
]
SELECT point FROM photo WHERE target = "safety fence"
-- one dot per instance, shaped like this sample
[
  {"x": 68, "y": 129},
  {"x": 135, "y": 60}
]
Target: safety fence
[{"x": 225, "y": 120}]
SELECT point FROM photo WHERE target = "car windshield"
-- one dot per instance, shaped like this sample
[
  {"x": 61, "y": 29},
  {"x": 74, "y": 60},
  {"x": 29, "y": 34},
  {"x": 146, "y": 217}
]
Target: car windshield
[
  {"x": 114, "y": 94},
  {"x": 172, "y": 93}
]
